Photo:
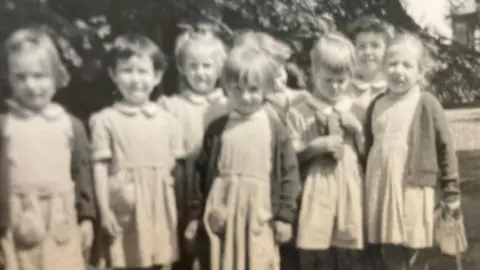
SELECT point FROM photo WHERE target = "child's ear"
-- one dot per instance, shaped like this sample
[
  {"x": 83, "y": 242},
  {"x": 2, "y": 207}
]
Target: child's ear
[{"x": 159, "y": 77}]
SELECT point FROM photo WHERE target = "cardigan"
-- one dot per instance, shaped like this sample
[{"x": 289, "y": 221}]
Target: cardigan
[
  {"x": 285, "y": 186},
  {"x": 81, "y": 171},
  {"x": 431, "y": 157}
]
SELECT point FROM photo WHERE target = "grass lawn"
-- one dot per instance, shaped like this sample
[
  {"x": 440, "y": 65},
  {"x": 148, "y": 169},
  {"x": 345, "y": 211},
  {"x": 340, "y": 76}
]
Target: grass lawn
[{"x": 465, "y": 127}]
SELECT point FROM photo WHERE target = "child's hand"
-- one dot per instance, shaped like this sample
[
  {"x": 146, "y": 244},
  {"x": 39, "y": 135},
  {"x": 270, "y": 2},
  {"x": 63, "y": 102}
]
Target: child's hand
[
  {"x": 86, "y": 231},
  {"x": 334, "y": 145},
  {"x": 110, "y": 223},
  {"x": 217, "y": 218},
  {"x": 191, "y": 230},
  {"x": 452, "y": 209},
  {"x": 350, "y": 122},
  {"x": 283, "y": 232}
]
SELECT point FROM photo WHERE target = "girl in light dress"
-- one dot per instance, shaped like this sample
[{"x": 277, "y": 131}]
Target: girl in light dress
[
  {"x": 46, "y": 185},
  {"x": 280, "y": 52},
  {"x": 199, "y": 58},
  {"x": 370, "y": 36},
  {"x": 135, "y": 145},
  {"x": 328, "y": 139},
  {"x": 247, "y": 184},
  {"x": 410, "y": 152}
]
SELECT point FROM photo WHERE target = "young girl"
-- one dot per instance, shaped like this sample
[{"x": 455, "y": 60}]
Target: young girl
[
  {"x": 135, "y": 147},
  {"x": 199, "y": 58},
  {"x": 280, "y": 53},
  {"x": 370, "y": 36},
  {"x": 327, "y": 136},
  {"x": 409, "y": 147},
  {"x": 45, "y": 162},
  {"x": 248, "y": 179}
]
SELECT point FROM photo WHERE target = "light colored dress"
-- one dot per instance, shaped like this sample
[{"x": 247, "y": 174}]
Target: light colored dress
[
  {"x": 194, "y": 113},
  {"x": 331, "y": 210},
  {"x": 364, "y": 93},
  {"x": 141, "y": 144},
  {"x": 243, "y": 188},
  {"x": 44, "y": 233},
  {"x": 396, "y": 213}
]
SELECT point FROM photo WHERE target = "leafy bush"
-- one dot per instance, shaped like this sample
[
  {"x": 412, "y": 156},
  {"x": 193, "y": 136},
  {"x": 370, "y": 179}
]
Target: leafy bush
[{"x": 87, "y": 27}]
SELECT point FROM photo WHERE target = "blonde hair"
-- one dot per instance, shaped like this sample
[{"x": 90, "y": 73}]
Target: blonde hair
[
  {"x": 189, "y": 39},
  {"x": 279, "y": 50},
  {"x": 248, "y": 65},
  {"x": 335, "y": 52},
  {"x": 34, "y": 39},
  {"x": 425, "y": 61}
]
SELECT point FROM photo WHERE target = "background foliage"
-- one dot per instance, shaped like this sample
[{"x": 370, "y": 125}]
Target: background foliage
[{"x": 87, "y": 27}]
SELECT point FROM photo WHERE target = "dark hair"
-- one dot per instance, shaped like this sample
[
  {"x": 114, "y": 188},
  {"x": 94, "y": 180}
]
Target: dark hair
[
  {"x": 128, "y": 45},
  {"x": 370, "y": 23}
]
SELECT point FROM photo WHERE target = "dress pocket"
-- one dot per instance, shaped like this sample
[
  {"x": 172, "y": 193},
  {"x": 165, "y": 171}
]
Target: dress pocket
[
  {"x": 63, "y": 225},
  {"x": 122, "y": 195},
  {"x": 28, "y": 225}
]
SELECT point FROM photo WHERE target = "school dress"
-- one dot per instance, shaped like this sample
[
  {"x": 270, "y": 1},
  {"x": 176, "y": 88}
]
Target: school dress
[
  {"x": 243, "y": 188},
  {"x": 364, "y": 93},
  {"x": 396, "y": 213},
  {"x": 142, "y": 144},
  {"x": 45, "y": 157},
  {"x": 252, "y": 159}
]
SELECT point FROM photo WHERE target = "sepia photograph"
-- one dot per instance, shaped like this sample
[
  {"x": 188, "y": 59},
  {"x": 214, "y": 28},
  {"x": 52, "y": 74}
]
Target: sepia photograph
[{"x": 239, "y": 135}]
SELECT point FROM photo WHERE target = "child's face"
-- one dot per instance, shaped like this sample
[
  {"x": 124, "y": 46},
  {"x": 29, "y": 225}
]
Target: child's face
[
  {"x": 402, "y": 68},
  {"x": 200, "y": 70},
  {"x": 246, "y": 98},
  {"x": 135, "y": 78},
  {"x": 370, "y": 49},
  {"x": 331, "y": 85},
  {"x": 31, "y": 79}
]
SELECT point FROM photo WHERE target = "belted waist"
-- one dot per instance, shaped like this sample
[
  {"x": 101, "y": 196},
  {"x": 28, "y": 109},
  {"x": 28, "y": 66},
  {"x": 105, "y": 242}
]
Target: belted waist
[
  {"x": 43, "y": 189},
  {"x": 231, "y": 173}
]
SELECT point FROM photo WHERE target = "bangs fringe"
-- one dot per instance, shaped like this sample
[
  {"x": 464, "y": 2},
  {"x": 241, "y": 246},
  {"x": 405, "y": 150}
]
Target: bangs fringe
[{"x": 335, "y": 52}]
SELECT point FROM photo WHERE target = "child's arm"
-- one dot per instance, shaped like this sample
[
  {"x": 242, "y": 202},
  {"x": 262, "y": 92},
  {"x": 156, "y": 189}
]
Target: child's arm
[
  {"x": 447, "y": 158},
  {"x": 81, "y": 170},
  {"x": 102, "y": 154},
  {"x": 290, "y": 182},
  {"x": 297, "y": 126}
]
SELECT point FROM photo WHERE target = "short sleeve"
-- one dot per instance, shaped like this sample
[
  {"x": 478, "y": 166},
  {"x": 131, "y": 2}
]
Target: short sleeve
[
  {"x": 176, "y": 137},
  {"x": 101, "y": 137},
  {"x": 296, "y": 127}
]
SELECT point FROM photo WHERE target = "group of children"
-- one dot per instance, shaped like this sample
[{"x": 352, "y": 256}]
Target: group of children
[{"x": 236, "y": 171}]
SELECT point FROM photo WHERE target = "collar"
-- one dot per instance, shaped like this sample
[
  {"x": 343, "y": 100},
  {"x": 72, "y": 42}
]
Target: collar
[
  {"x": 50, "y": 112},
  {"x": 343, "y": 104},
  {"x": 149, "y": 109},
  {"x": 374, "y": 86},
  {"x": 214, "y": 97},
  {"x": 240, "y": 116}
]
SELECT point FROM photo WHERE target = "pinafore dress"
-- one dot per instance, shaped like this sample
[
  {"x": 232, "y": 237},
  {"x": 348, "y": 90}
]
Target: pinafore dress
[
  {"x": 243, "y": 189},
  {"x": 331, "y": 208},
  {"x": 142, "y": 144},
  {"x": 396, "y": 213},
  {"x": 44, "y": 232}
]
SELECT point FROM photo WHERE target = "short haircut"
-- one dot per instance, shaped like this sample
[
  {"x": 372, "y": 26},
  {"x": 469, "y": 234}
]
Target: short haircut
[
  {"x": 191, "y": 39},
  {"x": 425, "y": 61},
  {"x": 278, "y": 49},
  {"x": 370, "y": 24},
  {"x": 247, "y": 65},
  {"x": 128, "y": 45},
  {"x": 35, "y": 39},
  {"x": 334, "y": 52}
]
